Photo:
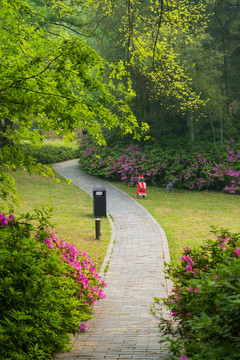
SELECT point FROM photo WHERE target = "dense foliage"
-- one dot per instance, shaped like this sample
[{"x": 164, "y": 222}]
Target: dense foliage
[
  {"x": 196, "y": 167},
  {"x": 50, "y": 154},
  {"x": 204, "y": 302},
  {"x": 54, "y": 78},
  {"x": 180, "y": 54},
  {"x": 47, "y": 290}
]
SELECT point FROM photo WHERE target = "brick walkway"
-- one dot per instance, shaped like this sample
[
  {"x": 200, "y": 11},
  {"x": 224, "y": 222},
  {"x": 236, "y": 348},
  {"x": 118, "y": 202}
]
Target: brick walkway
[{"x": 123, "y": 327}]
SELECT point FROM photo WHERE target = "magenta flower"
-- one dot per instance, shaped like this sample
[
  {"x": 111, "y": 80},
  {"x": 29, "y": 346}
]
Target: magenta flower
[
  {"x": 3, "y": 220},
  {"x": 182, "y": 357},
  {"x": 188, "y": 268},
  {"x": 236, "y": 252},
  {"x": 11, "y": 218},
  {"x": 223, "y": 246},
  {"x": 83, "y": 327}
]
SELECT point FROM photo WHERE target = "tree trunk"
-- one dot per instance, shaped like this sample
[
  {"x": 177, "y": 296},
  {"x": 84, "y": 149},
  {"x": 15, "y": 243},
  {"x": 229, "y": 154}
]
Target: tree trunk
[{"x": 212, "y": 126}]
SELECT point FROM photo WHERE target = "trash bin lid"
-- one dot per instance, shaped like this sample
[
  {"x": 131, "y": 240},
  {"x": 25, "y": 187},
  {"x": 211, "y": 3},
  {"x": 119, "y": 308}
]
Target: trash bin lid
[{"x": 99, "y": 188}]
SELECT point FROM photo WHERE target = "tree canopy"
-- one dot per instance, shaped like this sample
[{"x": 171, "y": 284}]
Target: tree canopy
[
  {"x": 54, "y": 77},
  {"x": 57, "y": 78}
]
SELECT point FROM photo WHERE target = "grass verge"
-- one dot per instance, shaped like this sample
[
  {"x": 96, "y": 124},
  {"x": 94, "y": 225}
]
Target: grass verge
[
  {"x": 187, "y": 216},
  {"x": 73, "y": 212}
]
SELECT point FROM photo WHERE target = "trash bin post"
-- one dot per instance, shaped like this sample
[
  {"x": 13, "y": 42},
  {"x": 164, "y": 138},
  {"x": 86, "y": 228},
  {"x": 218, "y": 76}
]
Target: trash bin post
[{"x": 98, "y": 228}]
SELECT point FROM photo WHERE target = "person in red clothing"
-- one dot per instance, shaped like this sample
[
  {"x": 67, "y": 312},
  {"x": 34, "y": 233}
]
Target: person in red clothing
[{"x": 141, "y": 187}]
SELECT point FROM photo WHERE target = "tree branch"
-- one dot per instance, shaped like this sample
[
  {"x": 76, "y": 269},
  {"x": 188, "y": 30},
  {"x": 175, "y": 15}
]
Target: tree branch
[
  {"x": 69, "y": 28},
  {"x": 216, "y": 7},
  {"x": 33, "y": 76},
  {"x": 157, "y": 35}
]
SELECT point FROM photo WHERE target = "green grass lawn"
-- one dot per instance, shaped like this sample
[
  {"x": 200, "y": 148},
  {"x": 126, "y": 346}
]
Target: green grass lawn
[
  {"x": 73, "y": 212},
  {"x": 187, "y": 216}
]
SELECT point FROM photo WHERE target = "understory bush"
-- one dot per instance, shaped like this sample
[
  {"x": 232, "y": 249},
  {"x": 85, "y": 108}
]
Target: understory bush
[
  {"x": 196, "y": 167},
  {"x": 47, "y": 290},
  {"x": 204, "y": 304},
  {"x": 50, "y": 154}
]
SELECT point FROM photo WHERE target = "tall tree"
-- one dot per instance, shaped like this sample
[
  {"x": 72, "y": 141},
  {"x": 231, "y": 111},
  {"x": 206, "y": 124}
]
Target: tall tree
[
  {"x": 54, "y": 77},
  {"x": 146, "y": 38}
]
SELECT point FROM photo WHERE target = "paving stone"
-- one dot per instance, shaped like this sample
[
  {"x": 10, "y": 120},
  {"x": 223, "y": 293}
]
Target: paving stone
[{"x": 123, "y": 327}]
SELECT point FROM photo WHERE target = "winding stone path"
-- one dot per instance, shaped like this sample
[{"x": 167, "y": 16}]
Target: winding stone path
[{"x": 123, "y": 327}]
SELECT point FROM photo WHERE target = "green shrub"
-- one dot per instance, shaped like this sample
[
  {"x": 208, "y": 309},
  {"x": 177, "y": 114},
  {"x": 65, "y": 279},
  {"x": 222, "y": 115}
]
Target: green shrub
[
  {"x": 196, "y": 167},
  {"x": 205, "y": 302},
  {"x": 42, "y": 298},
  {"x": 50, "y": 154}
]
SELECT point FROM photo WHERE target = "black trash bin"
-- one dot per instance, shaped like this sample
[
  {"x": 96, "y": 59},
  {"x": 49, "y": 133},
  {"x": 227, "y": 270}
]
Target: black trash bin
[{"x": 99, "y": 202}]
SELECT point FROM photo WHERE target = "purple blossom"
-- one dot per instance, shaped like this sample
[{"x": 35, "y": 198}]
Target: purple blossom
[
  {"x": 189, "y": 268},
  {"x": 236, "y": 252},
  {"x": 11, "y": 218},
  {"x": 83, "y": 327},
  {"x": 3, "y": 220}
]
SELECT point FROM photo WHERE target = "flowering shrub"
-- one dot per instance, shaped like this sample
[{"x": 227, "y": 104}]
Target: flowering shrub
[
  {"x": 82, "y": 270},
  {"x": 47, "y": 289},
  {"x": 195, "y": 167},
  {"x": 204, "y": 302}
]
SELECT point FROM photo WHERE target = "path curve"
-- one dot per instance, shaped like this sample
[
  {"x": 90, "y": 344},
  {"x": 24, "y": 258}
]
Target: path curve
[{"x": 123, "y": 327}]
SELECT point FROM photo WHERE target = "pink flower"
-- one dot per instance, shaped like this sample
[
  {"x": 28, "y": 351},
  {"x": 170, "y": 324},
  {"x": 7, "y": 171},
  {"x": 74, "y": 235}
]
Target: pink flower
[
  {"x": 188, "y": 259},
  {"x": 216, "y": 277},
  {"x": 182, "y": 357},
  {"x": 11, "y": 218},
  {"x": 223, "y": 246},
  {"x": 3, "y": 220},
  {"x": 236, "y": 252},
  {"x": 188, "y": 268},
  {"x": 83, "y": 327}
]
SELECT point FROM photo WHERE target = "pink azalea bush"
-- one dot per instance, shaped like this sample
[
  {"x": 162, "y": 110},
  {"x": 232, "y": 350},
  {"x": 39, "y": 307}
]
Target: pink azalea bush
[
  {"x": 196, "y": 167},
  {"x": 204, "y": 301},
  {"x": 81, "y": 269},
  {"x": 47, "y": 289}
]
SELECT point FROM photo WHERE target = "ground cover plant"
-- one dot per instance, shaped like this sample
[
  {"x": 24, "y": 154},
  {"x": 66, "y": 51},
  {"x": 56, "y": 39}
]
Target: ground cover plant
[
  {"x": 47, "y": 289},
  {"x": 196, "y": 167},
  {"x": 204, "y": 302}
]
